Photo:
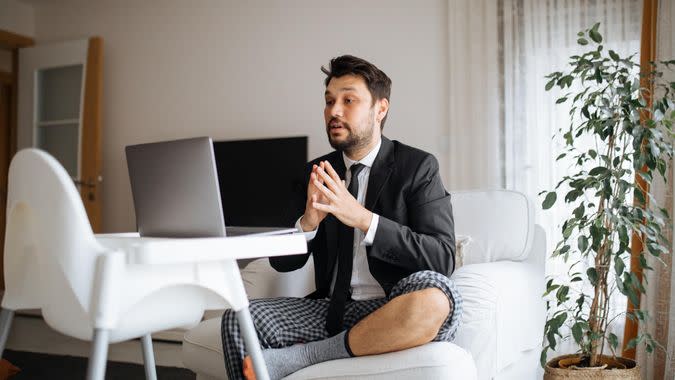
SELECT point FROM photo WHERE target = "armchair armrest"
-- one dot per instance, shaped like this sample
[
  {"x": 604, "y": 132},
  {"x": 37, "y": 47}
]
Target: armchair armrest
[{"x": 503, "y": 312}]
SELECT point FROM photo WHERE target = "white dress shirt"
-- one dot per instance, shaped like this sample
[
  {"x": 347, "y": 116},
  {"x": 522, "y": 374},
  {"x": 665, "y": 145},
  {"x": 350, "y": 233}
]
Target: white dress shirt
[{"x": 364, "y": 285}]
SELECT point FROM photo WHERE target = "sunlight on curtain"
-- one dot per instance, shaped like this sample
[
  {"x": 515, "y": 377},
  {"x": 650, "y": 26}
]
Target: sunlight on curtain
[{"x": 538, "y": 37}]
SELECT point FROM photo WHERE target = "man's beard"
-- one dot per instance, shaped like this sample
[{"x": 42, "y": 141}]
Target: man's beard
[{"x": 353, "y": 141}]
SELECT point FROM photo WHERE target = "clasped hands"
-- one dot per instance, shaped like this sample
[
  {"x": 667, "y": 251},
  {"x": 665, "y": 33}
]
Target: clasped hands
[{"x": 328, "y": 194}]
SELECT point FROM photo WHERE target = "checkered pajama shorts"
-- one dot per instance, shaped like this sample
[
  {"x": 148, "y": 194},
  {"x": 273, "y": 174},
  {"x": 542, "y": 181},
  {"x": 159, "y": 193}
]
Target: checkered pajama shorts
[{"x": 282, "y": 322}]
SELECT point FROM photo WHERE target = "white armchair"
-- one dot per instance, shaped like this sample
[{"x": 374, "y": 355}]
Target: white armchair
[{"x": 501, "y": 281}]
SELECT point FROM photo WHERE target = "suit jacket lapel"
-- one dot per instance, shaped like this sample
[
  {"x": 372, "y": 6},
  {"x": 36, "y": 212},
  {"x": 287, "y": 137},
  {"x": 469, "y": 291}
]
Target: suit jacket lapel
[{"x": 380, "y": 172}]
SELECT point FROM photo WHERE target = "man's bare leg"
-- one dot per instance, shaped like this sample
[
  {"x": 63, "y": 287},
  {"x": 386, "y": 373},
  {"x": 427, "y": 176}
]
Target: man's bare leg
[{"x": 407, "y": 321}]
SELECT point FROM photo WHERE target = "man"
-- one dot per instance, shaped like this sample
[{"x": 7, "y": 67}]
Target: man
[{"x": 379, "y": 226}]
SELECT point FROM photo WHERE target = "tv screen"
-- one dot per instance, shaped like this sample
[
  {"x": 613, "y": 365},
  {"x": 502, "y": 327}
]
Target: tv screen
[{"x": 258, "y": 179}]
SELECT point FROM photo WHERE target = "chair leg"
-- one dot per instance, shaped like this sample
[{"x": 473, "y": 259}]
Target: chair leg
[
  {"x": 148, "y": 358},
  {"x": 252, "y": 343},
  {"x": 6, "y": 317},
  {"x": 98, "y": 356}
]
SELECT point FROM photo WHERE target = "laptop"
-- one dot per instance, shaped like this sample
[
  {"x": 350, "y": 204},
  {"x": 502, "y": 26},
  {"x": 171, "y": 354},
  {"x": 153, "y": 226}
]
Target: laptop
[{"x": 175, "y": 189}]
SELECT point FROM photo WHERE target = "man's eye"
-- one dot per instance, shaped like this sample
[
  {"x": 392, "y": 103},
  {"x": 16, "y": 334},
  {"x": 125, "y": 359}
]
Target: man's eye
[
  {"x": 329, "y": 102},
  {"x": 348, "y": 101}
]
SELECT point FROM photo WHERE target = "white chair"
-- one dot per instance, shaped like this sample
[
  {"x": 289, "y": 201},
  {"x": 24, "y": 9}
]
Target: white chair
[
  {"x": 113, "y": 288},
  {"x": 501, "y": 282}
]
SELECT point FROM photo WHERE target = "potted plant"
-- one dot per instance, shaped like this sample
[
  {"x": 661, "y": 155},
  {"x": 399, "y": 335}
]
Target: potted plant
[{"x": 614, "y": 133}]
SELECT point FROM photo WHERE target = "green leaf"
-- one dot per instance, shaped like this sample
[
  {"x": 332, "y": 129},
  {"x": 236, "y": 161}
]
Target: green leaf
[
  {"x": 643, "y": 262},
  {"x": 599, "y": 170},
  {"x": 580, "y": 302},
  {"x": 579, "y": 211},
  {"x": 561, "y": 100},
  {"x": 561, "y": 295},
  {"x": 549, "y": 201},
  {"x": 623, "y": 235},
  {"x": 582, "y": 242},
  {"x": 582, "y": 41},
  {"x": 551, "y": 288},
  {"x": 572, "y": 195},
  {"x": 613, "y": 55},
  {"x": 584, "y": 111},
  {"x": 633, "y": 343},
  {"x": 613, "y": 341},
  {"x": 551, "y": 339},
  {"x": 592, "y": 275},
  {"x": 595, "y": 36},
  {"x": 619, "y": 265},
  {"x": 595, "y": 26},
  {"x": 550, "y": 84},
  {"x": 593, "y": 153},
  {"x": 577, "y": 332}
]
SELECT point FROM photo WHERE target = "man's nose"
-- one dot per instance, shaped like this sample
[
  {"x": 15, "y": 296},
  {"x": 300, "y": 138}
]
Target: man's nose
[{"x": 336, "y": 110}]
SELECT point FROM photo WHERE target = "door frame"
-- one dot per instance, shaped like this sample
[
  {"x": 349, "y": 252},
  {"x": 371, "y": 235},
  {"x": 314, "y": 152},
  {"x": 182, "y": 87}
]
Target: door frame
[{"x": 11, "y": 42}]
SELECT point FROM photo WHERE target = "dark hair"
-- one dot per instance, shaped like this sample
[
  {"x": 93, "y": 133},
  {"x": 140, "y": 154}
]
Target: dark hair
[{"x": 378, "y": 83}]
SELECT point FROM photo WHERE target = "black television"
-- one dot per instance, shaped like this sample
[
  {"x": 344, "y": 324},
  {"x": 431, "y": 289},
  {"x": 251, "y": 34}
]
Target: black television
[{"x": 258, "y": 179}]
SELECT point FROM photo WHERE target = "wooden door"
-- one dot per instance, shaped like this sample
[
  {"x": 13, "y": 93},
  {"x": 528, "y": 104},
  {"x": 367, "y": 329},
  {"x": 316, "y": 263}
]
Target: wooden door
[{"x": 60, "y": 92}]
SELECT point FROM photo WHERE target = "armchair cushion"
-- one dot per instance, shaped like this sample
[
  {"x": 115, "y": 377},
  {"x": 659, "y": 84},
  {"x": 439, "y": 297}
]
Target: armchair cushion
[{"x": 500, "y": 223}]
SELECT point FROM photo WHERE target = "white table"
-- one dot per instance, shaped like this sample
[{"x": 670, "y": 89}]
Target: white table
[{"x": 204, "y": 252}]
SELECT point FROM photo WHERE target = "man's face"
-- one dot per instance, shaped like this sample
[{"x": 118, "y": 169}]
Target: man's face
[{"x": 351, "y": 117}]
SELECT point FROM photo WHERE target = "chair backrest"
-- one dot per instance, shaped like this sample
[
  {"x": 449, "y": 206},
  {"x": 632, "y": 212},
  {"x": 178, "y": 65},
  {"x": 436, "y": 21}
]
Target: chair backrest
[
  {"x": 50, "y": 249},
  {"x": 499, "y": 222}
]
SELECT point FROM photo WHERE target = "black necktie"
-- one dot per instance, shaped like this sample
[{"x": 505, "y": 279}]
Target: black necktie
[{"x": 341, "y": 291}]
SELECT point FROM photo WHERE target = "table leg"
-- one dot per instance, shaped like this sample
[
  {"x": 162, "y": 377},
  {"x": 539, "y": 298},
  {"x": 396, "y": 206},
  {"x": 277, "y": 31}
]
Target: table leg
[{"x": 251, "y": 343}]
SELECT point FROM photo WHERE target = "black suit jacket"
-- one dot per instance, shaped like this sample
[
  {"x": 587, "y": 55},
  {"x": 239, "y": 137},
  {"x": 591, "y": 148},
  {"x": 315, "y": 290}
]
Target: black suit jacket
[{"x": 415, "y": 232}]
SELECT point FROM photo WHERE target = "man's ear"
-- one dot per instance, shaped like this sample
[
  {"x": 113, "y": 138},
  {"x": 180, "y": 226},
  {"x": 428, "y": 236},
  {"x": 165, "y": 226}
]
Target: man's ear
[{"x": 382, "y": 109}]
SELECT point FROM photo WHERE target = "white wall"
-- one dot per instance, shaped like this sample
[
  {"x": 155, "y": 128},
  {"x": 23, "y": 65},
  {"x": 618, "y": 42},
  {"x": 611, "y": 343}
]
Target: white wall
[
  {"x": 236, "y": 69},
  {"x": 17, "y": 17}
]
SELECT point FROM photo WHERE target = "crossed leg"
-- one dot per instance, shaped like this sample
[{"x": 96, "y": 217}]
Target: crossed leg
[{"x": 425, "y": 307}]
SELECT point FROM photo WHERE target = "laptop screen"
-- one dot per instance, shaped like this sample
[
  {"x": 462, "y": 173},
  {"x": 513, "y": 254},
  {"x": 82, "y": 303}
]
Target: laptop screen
[{"x": 175, "y": 188}]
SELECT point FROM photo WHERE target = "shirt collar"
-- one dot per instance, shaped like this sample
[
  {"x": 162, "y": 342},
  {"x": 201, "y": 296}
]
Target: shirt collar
[{"x": 367, "y": 160}]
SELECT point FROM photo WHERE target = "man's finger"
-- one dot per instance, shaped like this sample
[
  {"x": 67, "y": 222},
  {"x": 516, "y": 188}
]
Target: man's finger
[
  {"x": 326, "y": 192},
  {"x": 328, "y": 180},
  {"x": 312, "y": 186},
  {"x": 314, "y": 173},
  {"x": 322, "y": 207}
]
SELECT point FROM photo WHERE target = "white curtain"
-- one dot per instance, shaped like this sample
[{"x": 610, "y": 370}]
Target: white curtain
[
  {"x": 660, "y": 296},
  {"x": 474, "y": 128},
  {"x": 538, "y": 38}
]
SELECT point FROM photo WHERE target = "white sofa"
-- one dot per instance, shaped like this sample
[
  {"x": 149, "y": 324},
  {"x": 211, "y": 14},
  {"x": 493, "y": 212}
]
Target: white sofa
[{"x": 501, "y": 281}]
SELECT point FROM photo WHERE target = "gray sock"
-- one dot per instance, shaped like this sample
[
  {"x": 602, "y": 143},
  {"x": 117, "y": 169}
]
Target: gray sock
[{"x": 282, "y": 362}]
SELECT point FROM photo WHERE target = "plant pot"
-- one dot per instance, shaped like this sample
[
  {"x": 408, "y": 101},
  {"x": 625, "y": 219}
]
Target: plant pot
[{"x": 612, "y": 368}]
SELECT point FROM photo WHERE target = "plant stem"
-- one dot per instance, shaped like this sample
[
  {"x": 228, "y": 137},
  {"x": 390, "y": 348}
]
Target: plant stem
[{"x": 598, "y": 313}]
